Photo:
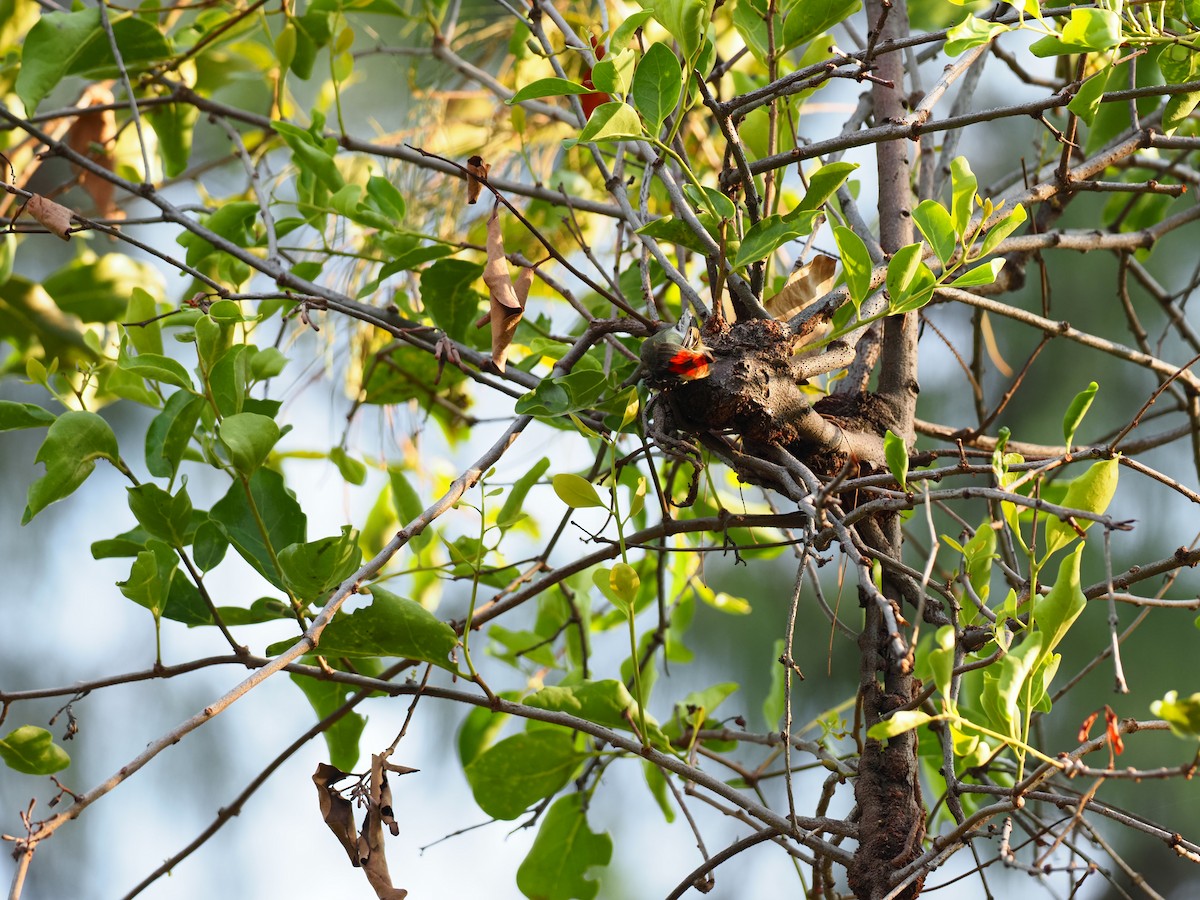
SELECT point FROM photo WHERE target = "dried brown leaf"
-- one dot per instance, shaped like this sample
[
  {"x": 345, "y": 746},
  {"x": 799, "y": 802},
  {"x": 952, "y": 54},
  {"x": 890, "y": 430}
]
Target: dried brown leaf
[
  {"x": 507, "y": 304},
  {"x": 93, "y": 135},
  {"x": 336, "y": 810},
  {"x": 477, "y": 172},
  {"x": 993, "y": 348},
  {"x": 812, "y": 280},
  {"x": 55, "y": 217},
  {"x": 370, "y": 840}
]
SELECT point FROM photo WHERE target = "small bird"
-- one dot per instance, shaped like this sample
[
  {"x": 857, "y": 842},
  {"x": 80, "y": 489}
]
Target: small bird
[{"x": 676, "y": 353}]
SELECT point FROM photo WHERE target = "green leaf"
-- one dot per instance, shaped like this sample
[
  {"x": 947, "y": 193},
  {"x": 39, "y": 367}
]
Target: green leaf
[
  {"x": 32, "y": 751},
  {"x": 705, "y": 197},
  {"x": 1091, "y": 492},
  {"x": 938, "y": 228},
  {"x": 1086, "y": 102},
  {"x": 611, "y": 75},
  {"x": 51, "y": 47},
  {"x": 562, "y": 853},
  {"x": 625, "y": 583},
  {"x": 479, "y": 730},
  {"x": 386, "y": 199},
  {"x": 896, "y": 453},
  {"x": 29, "y": 318},
  {"x": 575, "y": 491},
  {"x": 657, "y": 86},
  {"x": 62, "y": 44},
  {"x": 1003, "y": 229},
  {"x": 898, "y": 723},
  {"x": 1076, "y": 411},
  {"x": 163, "y": 516},
  {"x": 1179, "y": 109},
  {"x": 342, "y": 736},
  {"x": 856, "y": 263},
  {"x": 984, "y": 273},
  {"x": 979, "y": 553},
  {"x": 823, "y": 184},
  {"x": 158, "y": 368},
  {"x": 749, "y": 18},
  {"x": 143, "y": 330},
  {"x": 625, "y": 31},
  {"x": 352, "y": 470},
  {"x": 72, "y": 445},
  {"x": 548, "y": 87},
  {"x": 1179, "y": 64},
  {"x": 615, "y": 121},
  {"x": 149, "y": 582},
  {"x": 390, "y": 626},
  {"x": 773, "y": 704},
  {"x": 97, "y": 289},
  {"x": 1182, "y": 715},
  {"x": 1054, "y": 614},
  {"x": 971, "y": 32},
  {"x": 208, "y": 546},
  {"x": 170, "y": 432},
  {"x": 174, "y": 124},
  {"x": 514, "y": 503},
  {"x": 281, "y": 515},
  {"x": 767, "y": 235},
  {"x": 311, "y": 570},
  {"x": 249, "y": 438},
  {"x": 963, "y": 186},
  {"x": 805, "y": 19},
  {"x": 512, "y": 775},
  {"x": 310, "y": 156},
  {"x": 909, "y": 281},
  {"x": 677, "y": 231},
  {"x": 229, "y": 379},
  {"x": 685, "y": 20},
  {"x": 657, "y": 782},
  {"x": 1087, "y": 30},
  {"x": 449, "y": 299},
  {"x": 606, "y": 703},
  {"x": 233, "y": 221},
  {"x": 1002, "y": 691},
  {"x": 14, "y": 415},
  {"x": 722, "y": 602}
]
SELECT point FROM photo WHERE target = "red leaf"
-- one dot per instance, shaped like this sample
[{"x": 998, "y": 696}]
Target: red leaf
[
  {"x": 599, "y": 98},
  {"x": 1113, "y": 727}
]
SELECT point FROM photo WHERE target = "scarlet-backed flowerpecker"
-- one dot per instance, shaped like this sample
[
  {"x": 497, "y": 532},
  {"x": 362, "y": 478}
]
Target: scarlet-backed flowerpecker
[{"x": 673, "y": 355}]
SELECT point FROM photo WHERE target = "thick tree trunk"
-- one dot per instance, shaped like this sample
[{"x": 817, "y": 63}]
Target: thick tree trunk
[{"x": 891, "y": 813}]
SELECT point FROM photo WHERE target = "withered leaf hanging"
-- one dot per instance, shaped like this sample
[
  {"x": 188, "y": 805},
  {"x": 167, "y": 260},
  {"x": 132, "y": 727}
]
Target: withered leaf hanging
[
  {"x": 336, "y": 810},
  {"x": 507, "y": 300},
  {"x": 477, "y": 172},
  {"x": 92, "y": 135}
]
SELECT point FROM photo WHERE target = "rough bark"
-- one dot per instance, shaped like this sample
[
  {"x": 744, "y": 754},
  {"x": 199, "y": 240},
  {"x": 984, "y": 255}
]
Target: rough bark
[{"x": 888, "y": 793}]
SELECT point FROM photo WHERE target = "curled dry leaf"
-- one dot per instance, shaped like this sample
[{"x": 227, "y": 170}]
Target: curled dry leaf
[
  {"x": 92, "y": 135},
  {"x": 336, "y": 810},
  {"x": 507, "y": 300},
  {"x": 370, "y": 840},
  {"x": 55, "y": 217},
  {"x": 808, "y": 282},
  {"x": 365, "y": 849},
  {"x": 477, "y": 172}
]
